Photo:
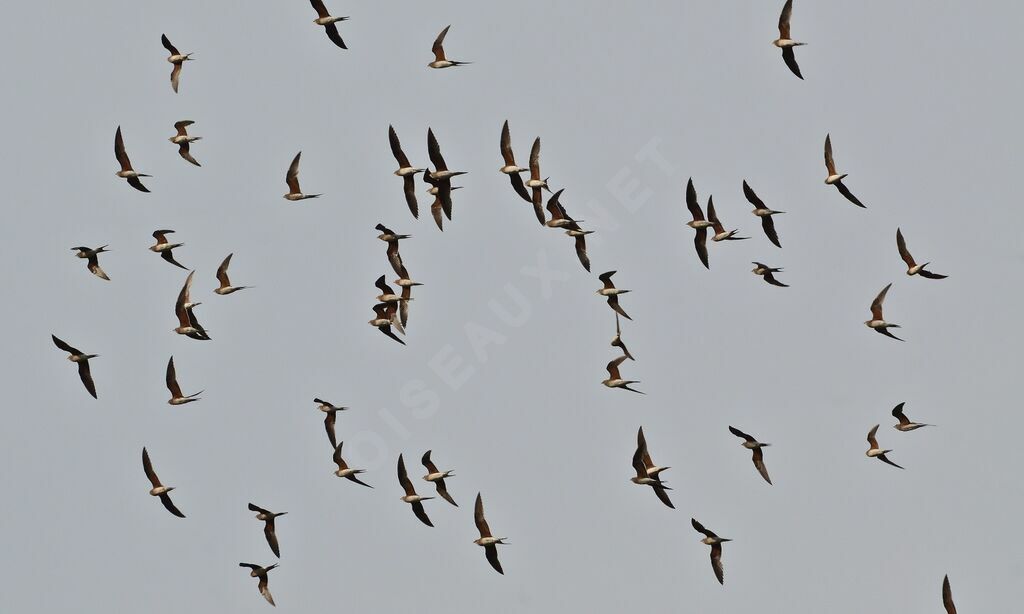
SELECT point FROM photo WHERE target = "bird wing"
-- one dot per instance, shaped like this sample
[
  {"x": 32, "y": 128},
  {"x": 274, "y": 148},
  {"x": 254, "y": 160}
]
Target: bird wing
[
  {"x": 120, "y": 153},
  {"x": 769, "y": 230},
  {"x": 292, "y": 177},
  {"x": 700, "y": 243},
  {"x": 506, "y": 146},
  {"x": 434, "y": 151},
  {"x": 438, "y": 46},
  {"x": 86, "y": 376},
  {"x": 417, "y": 508},
  {"x": 535, "y": 159},
  {"x": 176, "y": 76},
  {"x": 338, "y": 460},
  {"x": 271, "y": 535},
  {"x": 901, "y": 245},
  {"x": 332, "y": 33},
  {"x": 478, "y": 517},
  {"x": 751, "y": 197},
  {"x": 520, "y": 187},
  {"x": 403, "y": 478},
  {"x": 871, "y": 437},
  {"x": 64, "y": 346},
  {"x": 713, "y": 217},
  {"x": 876, "y": 305},
  {"x": 897, "y": 412},
  {"x": 691, "y": 202},
  {"x": 784, "y": 17},
  {"x": 396, "y": 148},
  {"x": 613, "y": 367},
  {"x": 442, "y": 489},
  {"x": 947, "y": 597},
  {"x": 318, "y": 6},
  {"x": 758, "y": 458},
  {"x": 255, "y": 508},
  {"x": 581, "y": 252},
  {"x": 222, "y": 272},
  {"x": 492, "y": 557},
  {"x": 429, "y": 464},
  {"x": 663, "y": 495},
  {"x": 331, "y": 436},
  {"x": 830, "y": 164},
  {"x": 166, "y": 500},
  {"x": 168, "y": 46},
  {"x": 182, "y": 125},
  {"x": 171, "y": 379},
  {"x": 700, "y": 528},
  {"x": 168, "y": 255},
  {"x": 789, "y": 57},
  {"x": 716, "y": 562},
  {"x": 845, "y": 191},
  {"x": 735, "y": 431},
  {"x": 147, "y": 466},
  {"x": 183, "y": 151},
  {"x": 606, "y": 278}
]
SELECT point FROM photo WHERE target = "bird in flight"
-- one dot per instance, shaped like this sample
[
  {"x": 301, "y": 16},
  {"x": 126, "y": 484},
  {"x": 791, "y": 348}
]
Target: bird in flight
[
  {"x": 784, "y": 41},
  {"x": 292, "y": 179},
  {"x": 386, "y": 317},
  {"x": 183, "y": 140},
  {"x": 165, "y": 247},
  {"x": 609, "y": 290},
  {"x": 82, "y": 360},
  {"x": 440, "y": 61},
  {"x": 535, "y": 183},
  {"x": 127, "y": 172},
  {"x": 762, "y": 211},
  {"x": 615, "y": 378},
  {"x": 876, "y": 452},
  {"x": 326, "y": 20},
  {"x": 698, "y": 223},
  {"x": 410, "y": 496},
  {"x": 647, "y": 472},
  {"x": 92, "y": 255},
  {"x": 617, "y": 340},
  {"x": 159, "y": 490},
  {"x": 330, "y": 416},
  {"x": 905, "y": 425},
  {"x": 487, "y": 541},
  {"x": 913, "y": 268},
  {"x": 721, "y": 234},
  {"x": 877, "y": 322},
  {"x": 177, "y": 59},
  {"x": 261, "y": 572},
  {"x": 222, "y": 277},
  {"x": 835, "y": 178},
  {"x": 172, "y": 385},
  {"x": 715, "y": 542},
  {"x": 755, "y": 447},
  {"x": 437, "y": 478},
  {"x": 767, "y": 273},
  {"x": 344, "y": 471},
  {"x": 188, "y": 325},
  {"x": 269, "y": 530},
  {"x": 510, "y": 167}
]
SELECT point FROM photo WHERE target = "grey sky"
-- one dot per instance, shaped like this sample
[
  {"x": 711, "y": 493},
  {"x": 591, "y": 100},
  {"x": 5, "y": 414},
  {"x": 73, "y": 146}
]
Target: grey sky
[{"x": 922, "y": 102}]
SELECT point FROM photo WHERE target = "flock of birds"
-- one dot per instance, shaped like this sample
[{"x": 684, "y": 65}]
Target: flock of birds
[{"x": 391, "y": 311}]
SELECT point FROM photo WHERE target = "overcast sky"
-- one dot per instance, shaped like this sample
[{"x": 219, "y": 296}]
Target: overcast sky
[{"x": 507, "y": 341}]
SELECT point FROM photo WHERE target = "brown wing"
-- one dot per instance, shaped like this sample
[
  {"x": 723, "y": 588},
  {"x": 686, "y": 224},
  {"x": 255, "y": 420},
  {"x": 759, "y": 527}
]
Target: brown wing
[
  {"x": 332, "y": 33},
  {"x": 396, "y": 148},
  {"x": 403, "y": 307},
  {"x": 787, "y": 13},
  {"x": 318, "y": 6},
  {"x": 663, "y": 495},
  {"x": 292, "y": 177},
  {"x": 182, "y": 125},
  {"x": 168, "y": 255},
  {"x": 768, "y": 277},
  {"x": 713, "y": 216},
  {"x": 403, "y": 478},
  {"x": 478, "y": 517},
  {"x": 394, "y": 257},
  {"x": 897, "y": 412},
  {"x": 442, "y": 490},
  {"x": 700, "y": 242},
  {"x": 64, "y": 346},
  {"x": 119, "y": 152},
  {"x": 353, "y": 478},
  {"x": 700, "y": 528},
  {"x": 789, "y": 57},
  {"x": 338, "y": 460},
  {"x": 417, "y": 508},
  {"x": 255, "y": 508},
  {"x": 613, "y": 302},
  {"x": 901, "y": 245},
  {"x": 555, "y": 208},
  {"x": 183, "y": 151},
  {"x": 171, "y": 379},
  {"x": 947, "y": 597},
  {"x": 86, "y": 376},
  {"x": 492, "y": 557},
  {"x": 176, "y": 76},
  {"x": 876, "y": 305},
  {"x": 871, "y": 437},
  {"x": 581, "y": 252},
  {"x": 506, "y": 146},
  {"x": 535, "y": 159},
  {"x": 830, "y": 165},
  {"x": 520, "y": 187},
  {"x": 136, "y": 183},
  {"x": 179, "y": 304},
  {"x": 739, "y": 433},
  {"x": 613, "y": 368},
  {"x": 429, "y": 464},
  {"x": 438, "y": 47},
  {"x": 383, "y": 286},
  {"x": 691, "y": 202},
  {"x": 271, "y": 534},
  {"x": 537, "y": 199},
  {"x": 434, "y": 151},
  {"x": 409, "y": 187},
  {"x": 168, "y": 46},
  {"x": 329, "y": 420},
  {"x": 758, "y": 458},
  {"x": 264, "y": 586},
  {"x": 94, "y": 267},
  {"x": 607, "y": 279},
  {"x": 147, "y": 466},
  {"x": 222, "y": 272},
  {"x": 845, "y": 191},
  {"x": 716, "y": 560},
  {"x": 638, "y": 462},
  {"x": 769, "y": 230},
  {"x": 751, "y": 197},
  {"x": 166, "y": 500}
]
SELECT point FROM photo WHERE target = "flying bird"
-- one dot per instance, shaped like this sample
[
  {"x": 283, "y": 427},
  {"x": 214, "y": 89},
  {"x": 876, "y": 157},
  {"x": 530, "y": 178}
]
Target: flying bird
[
  {"x": 327, "y": 21},
  {"x": 437, "y": 478},
  {"x": 261, "y": 572},
  {"x": 292, "y": 179},
  {"x": 330, "y": 415},
  {"x": 269, "y": 531},
  {"x": 222, "y": 277},
  {"x": 386, "y": 317},
  {"x": 617, "y": 340},
  {"x": 441, "y": 190},
  {"x": 188, "y": 325},
  {"x": 715, "y": 542},
  {"x": 535, "y": 183},
  {"x": 176, "y": 59},
  {"x": 913, "y": 268},
  {"x": 721, "y": 234},
  {"x": 440, "y": 174},
  {"x": 755, "y": 447},
  {"x": 344, "y": 471},
  {"x": 875, "y": 452},
  {"x": 182, "y": 140},
  {"x": 763, "y": 212},
  {"x": 92, "y": 255},
  {"x": 905, "y": 425},
  {"x": 410, "y": 496},
  {"x": 406, "y": 171},
  {"x": 784, "y": 41},
  {"x": 947, "y": 596},
  {"x": 127, "y": 172},
  {"x": 440, "y": 61},
  {"x": 392, "y": 238},
  {"x": 835, "y": 178},
  {"x": 511, "y": 168},
  {"x": 559, "y": 217},
  {"x": 387, "y": 294},
  {"x": 698, "y": 223},
  {"x": 172, "y": 385},
  {"x": 165, "y": 247},
  {"x": 487, "y": 541},
  {"x": 159, "y": 490},
  {"x": 82, "y": 360},
  {"x": 647, "y": 472},
  {"x": 767, "y": 273},
  {"x": 877, "y": 322},
  {"x": 609, "y": 290},
  {"x": 615, "y": 379}
]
